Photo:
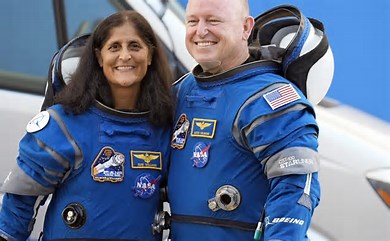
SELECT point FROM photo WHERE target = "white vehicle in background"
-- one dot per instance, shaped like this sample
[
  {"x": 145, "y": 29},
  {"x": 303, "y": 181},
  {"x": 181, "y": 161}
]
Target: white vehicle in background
[{"x": 354, "y": 146}]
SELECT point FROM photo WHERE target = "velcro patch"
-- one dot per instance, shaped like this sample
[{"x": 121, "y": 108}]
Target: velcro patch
[
  {"x": 203, "y": 128},
  {"x": 38, "y": 122},
  {"x": 146, "y": 160},
  {"x": 281, "y": 96},
  {"x": 108, "y": 166}
]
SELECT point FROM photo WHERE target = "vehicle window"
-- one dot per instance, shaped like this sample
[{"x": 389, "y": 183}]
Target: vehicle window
[
  {"x": 83, "y": 16},
  {"x": 28, "y": 40}
]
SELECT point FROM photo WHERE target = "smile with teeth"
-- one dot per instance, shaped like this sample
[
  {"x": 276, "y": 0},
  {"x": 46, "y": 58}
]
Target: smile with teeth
[
  {"x": 124, "y": 67},
  {"x": 204, "y": 44}
]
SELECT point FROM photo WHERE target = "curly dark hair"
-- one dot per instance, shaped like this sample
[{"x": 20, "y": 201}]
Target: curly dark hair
[{"x": 88, "y": 83}]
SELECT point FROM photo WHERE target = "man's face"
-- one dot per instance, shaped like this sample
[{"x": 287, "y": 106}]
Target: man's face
[{"x": 216, "y": 33}]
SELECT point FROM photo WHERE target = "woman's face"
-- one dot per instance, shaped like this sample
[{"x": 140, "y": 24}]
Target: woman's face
[{"x": 124, "y": 58}]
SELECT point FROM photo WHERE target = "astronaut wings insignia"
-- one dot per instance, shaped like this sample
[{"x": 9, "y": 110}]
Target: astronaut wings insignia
[
  {"x": 203, "y": 128},
  {"x": 146, "y": 157},
  {"x": 146, "y": 160},
  {"x": 202, "y": 124}
]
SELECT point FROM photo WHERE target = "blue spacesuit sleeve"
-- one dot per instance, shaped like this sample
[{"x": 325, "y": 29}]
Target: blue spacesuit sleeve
[
  {"x": 37, "y": 171},
  {"x": 290, "y": 205},
  {"x": 16, "y": 216},
  {"x": 42, "y": 161},
  {"x": 284, "y": 140},
  {"x": 46, "y": 157}
]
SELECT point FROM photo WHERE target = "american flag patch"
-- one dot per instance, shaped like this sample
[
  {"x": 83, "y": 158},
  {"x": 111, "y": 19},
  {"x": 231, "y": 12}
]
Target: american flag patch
[{"x": 281, "y": 96}]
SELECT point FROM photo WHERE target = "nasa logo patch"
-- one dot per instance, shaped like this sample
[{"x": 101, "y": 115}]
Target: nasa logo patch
[
  {"x": 200, "y": 155},
  {"x": 38, "y": 122},
  {"x": 145, "y": 185}
]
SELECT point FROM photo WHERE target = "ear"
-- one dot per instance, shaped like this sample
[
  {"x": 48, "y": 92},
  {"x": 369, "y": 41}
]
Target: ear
[
  {"x": 98, "y": 55},
  {"x": 150, "y": 57},
  {"x": 248, "y": 26}
]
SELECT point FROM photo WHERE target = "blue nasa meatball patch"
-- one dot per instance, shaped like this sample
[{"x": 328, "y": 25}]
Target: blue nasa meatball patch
[
  {"x": 145, "y": 185},
  {"x": 200, "y": 155}
]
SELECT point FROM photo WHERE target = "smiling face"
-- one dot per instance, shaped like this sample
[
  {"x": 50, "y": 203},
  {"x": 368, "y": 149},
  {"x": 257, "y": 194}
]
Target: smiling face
[
  {"x": 124, "y": 58},
  {"x": 217, "y": 33}
]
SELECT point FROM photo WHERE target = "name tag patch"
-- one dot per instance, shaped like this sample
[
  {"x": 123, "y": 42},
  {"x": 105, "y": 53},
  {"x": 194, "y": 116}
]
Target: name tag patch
[
  {"x": 146, "y": 160},
  {"x": 203, "y": 128}
]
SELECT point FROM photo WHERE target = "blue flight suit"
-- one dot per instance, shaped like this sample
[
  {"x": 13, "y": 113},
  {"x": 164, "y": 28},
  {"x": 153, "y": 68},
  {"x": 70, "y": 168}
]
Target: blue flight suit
[
  {"x": 245, "y": 142},
  {"x": 109, "y": 163}
]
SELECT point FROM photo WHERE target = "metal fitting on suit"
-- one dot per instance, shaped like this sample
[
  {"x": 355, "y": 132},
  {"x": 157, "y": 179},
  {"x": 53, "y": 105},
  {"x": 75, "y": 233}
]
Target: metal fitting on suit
[
  {"x": 74, "y": 215},
  {"x": 161, "y": 222},
  {"x": 226, "y": 198}
]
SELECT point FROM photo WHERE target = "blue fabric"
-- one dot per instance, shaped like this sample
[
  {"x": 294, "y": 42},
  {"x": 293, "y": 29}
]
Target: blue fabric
[
  {"x": 243, "y": 122},
  {"x": 15, "y": 216},
  {"x": 119, "y": 201}
]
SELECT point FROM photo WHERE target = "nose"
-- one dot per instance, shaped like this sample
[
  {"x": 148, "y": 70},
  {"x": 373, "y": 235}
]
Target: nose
[
  {"x": 124, "y": 54},
  {"x": 202, "y": 29}
]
